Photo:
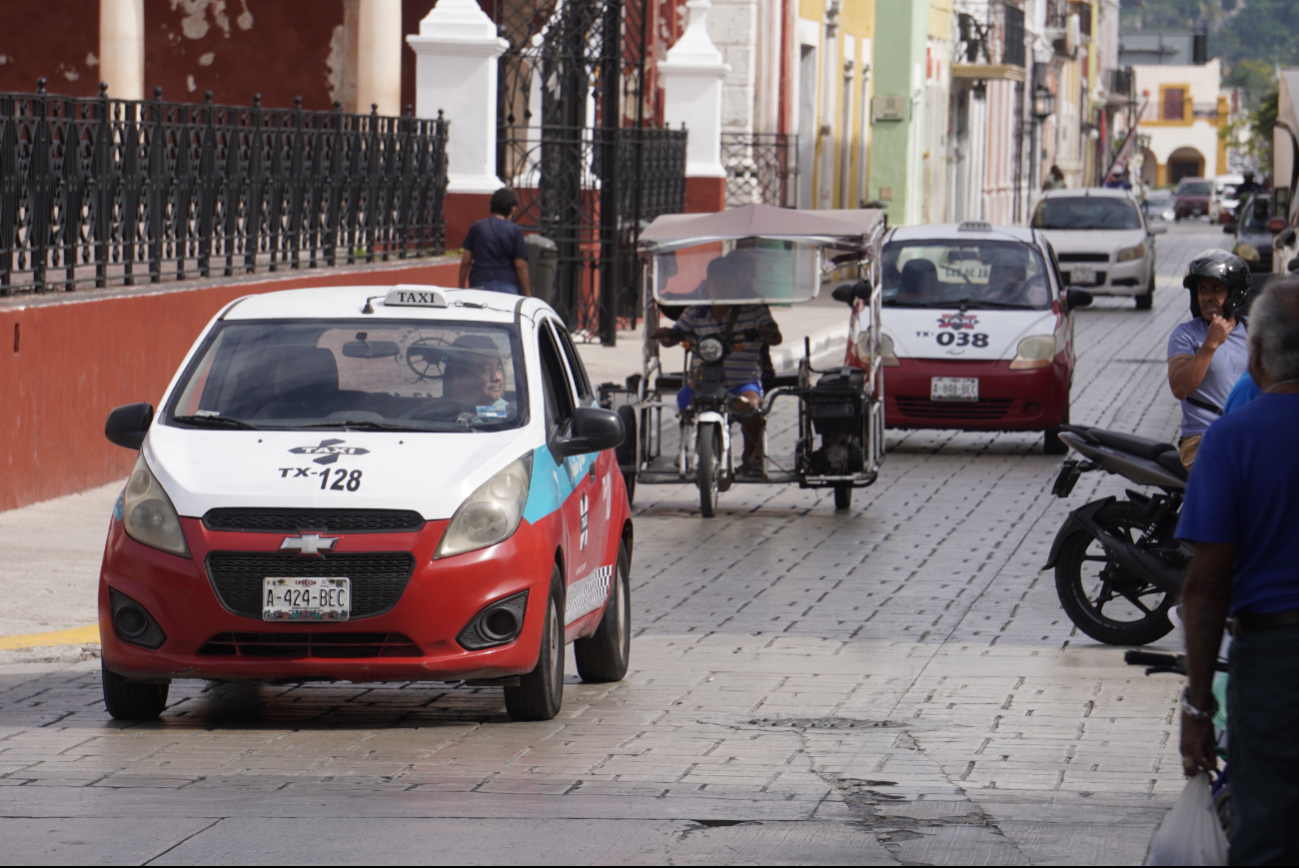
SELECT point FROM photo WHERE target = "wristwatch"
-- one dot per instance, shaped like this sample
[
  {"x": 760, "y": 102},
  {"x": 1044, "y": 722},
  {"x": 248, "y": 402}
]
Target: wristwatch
[{"x": 1195, "y": 713}]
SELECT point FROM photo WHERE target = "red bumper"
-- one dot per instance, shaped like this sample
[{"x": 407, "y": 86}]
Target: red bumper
[
  {"x": 414, "y": 640},
  {"x": 1033, "y": 400}
]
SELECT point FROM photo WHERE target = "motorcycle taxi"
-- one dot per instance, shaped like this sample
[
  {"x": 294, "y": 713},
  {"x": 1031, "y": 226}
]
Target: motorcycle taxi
[{"x": 791, "y": 254}]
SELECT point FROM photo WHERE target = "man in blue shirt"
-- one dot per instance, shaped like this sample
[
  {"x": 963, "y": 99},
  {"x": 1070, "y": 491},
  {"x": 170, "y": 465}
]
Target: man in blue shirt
[
  {"x": 496, "y": 255},
  {"x": 1242, "y": 512},
  {"x": 1207, "y": 355}
]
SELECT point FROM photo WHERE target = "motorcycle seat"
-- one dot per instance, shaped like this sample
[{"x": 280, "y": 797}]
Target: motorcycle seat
[
  {"x": 1172, "y": 462},
  {"x": 1140, "y": 446}
]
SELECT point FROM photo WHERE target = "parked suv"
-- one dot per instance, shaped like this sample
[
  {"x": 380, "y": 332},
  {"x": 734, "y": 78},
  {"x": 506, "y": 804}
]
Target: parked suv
[
  {"x": 1102, "y": 240},
  {"x": 1254, "y": 232},
  {"x": 1192, "y": 198}
]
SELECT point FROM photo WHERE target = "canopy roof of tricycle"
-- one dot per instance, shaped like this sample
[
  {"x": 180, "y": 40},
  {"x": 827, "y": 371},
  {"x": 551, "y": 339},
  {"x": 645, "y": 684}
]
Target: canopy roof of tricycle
[{"x": 753, "y": 254}]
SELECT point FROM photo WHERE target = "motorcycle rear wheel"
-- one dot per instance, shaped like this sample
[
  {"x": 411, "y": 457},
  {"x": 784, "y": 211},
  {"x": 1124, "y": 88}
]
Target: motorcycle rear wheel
[{"x": 1087, "y": 581}]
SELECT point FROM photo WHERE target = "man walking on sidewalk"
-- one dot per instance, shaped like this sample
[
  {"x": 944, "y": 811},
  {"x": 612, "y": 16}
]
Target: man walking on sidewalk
[{"x": 1242, "y": 512}]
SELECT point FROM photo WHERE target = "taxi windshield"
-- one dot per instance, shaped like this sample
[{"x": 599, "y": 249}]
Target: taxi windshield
[
  {"x": 957, "y": 273},
  {"x": 417, "y": 375}
]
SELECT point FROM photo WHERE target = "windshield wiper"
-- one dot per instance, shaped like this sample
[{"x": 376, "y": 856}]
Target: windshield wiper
[
  {"x": 990, "y": 303},
  {"x": 206, "y": 421},
  {"x": 359, "y": 424}
]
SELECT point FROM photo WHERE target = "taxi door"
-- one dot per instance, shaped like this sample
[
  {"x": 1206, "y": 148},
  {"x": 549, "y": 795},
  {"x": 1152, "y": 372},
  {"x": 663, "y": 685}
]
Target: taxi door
[{"x": 580, "y": 556}]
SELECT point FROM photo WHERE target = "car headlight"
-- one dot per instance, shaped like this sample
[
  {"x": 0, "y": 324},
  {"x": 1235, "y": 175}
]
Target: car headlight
[
  {"x": 888, "y": 356},
  {"x": 1034, "y": 352},
  {"x": 147, "y": 513},
  {"x": 1128, "y": 254},
  {"x": 492, "y": 513},
  {"x": 710, "y": 349}
]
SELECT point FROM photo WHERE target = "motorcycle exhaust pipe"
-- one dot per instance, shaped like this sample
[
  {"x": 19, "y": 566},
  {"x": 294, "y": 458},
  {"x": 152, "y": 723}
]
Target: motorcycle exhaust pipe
[{"x": 1143, "y": 564}]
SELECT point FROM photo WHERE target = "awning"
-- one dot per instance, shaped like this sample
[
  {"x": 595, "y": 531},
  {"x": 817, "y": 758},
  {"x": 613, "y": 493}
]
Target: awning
[
  {"x": 988, "y": 71},
  {"x": 853, "y": 228}
]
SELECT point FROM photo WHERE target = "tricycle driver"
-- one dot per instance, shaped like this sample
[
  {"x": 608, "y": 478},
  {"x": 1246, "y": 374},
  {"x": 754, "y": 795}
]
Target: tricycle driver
[{"x": 743, "y": 367}]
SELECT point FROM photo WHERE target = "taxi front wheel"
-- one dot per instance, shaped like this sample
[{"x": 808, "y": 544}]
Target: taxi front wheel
[
  {"x": 540, "y": 693},
  {"x": 132, "y": 700},
  {"x": 603, "y": 656}
]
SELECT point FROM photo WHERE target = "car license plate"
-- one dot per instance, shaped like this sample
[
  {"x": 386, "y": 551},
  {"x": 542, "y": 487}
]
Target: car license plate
[
  {"x": 954, "y": 389},
  {"x": 1082, "y": 275},
  {"x": 306, "y": 599}
]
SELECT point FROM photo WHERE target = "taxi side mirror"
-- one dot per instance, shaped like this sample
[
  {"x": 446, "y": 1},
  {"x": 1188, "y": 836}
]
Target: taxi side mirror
[
  {"x": 1075, "y": 297},
  {"x": 848, "y": 293},
  {"x": 127, "y": 425},
  {"x": 593, "y": 429}
]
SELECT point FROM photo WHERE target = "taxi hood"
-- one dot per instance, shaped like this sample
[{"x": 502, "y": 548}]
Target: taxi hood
[
  {"x": 431, "y": 473},
  {"x": 939, "y": 333}
]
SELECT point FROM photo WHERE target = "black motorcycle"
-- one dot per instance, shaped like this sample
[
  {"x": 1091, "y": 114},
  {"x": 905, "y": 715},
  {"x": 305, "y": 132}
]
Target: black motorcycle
[{"x": 1118, "y": 564}]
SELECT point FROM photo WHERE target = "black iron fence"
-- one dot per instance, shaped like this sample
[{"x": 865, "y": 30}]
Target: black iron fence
[
  {"x": 761, "y": 168},
  {"x": 101, "y": 191}
]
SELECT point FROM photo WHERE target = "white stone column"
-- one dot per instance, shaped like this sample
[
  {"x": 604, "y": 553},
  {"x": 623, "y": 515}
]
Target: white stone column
[
  {"x": 456, "y": 53},
  {"x": 692, "y": 88},
  {"x": 121, "y": 47},
  {"x": 378, "y": 56}
]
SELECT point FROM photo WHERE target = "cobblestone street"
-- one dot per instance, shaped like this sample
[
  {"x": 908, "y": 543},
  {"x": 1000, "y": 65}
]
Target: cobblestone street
[{"x": 895, "y": 684}]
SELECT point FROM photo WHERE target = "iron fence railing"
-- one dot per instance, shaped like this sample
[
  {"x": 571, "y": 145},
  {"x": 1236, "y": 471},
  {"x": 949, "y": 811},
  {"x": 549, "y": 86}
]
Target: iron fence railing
[
  {"x": 101, "y": 191},
  {"x": 761, "y": 168}
]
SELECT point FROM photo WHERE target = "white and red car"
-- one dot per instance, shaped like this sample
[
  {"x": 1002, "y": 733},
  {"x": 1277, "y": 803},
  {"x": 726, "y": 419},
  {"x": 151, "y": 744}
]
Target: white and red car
[{"x": 976, "y": 331}]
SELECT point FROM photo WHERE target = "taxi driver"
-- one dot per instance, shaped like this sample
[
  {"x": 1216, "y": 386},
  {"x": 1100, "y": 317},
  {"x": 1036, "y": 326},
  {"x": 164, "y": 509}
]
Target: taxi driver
[{"x": 475, "y": 374}]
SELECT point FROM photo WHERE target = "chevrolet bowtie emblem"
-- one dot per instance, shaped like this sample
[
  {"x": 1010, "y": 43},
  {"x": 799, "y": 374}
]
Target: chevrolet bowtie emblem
[{"x": 308, "y": 543}]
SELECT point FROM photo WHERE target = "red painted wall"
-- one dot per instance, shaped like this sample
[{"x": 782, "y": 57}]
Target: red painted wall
[
  {"x": 56, "y": 41},
  {"x": 64, "y": 366}
]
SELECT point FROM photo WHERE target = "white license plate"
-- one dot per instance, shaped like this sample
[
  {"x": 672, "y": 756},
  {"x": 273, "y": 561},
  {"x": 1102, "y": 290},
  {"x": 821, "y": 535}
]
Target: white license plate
[
  {"x": 1082, "y": 275},
  {"x": 306, "y": 599},
  {"x": 954, "y": 389}
]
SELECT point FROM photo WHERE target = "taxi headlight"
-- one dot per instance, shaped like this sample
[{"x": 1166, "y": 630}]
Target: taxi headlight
[
  {"x": 888, "y": 355},
  {"x": 1128, "y": 254},
  {"x": 710, "y": 349},
  {"x": 492, "y": 513},
  {"x": 147, "y": 513},
  {"x": 1034, "y": 352}
]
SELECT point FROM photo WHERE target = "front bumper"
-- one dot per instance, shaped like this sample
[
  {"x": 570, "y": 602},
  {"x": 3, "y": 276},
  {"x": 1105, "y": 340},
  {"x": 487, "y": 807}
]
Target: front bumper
[
  {"x": 1112, "y": 278},
  {"x": 414, "y": 640},
  {"x": 1033, "y": 400}
]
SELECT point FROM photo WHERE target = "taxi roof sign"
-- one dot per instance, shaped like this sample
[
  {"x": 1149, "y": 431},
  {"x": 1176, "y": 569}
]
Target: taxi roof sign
[{"x": 414, "y": 296}]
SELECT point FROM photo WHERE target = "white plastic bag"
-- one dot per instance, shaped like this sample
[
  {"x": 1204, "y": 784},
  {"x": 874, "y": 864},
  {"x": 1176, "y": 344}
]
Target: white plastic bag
[{"x": 1191, "y": 833}]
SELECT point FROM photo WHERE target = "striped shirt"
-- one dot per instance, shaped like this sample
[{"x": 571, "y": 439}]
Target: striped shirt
[{"x": 741, "y": 366}]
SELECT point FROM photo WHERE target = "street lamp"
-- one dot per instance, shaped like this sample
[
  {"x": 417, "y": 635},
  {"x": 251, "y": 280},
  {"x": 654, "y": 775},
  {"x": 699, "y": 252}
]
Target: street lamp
[{"x": 1043, "y": 103}]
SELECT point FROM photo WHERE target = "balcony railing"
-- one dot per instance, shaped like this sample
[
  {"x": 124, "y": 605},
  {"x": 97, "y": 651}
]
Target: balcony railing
[
  {"x": 761, "y": 168},
  {"x": 1207, "y": 110},
  {"x": 101, "y": 191}
]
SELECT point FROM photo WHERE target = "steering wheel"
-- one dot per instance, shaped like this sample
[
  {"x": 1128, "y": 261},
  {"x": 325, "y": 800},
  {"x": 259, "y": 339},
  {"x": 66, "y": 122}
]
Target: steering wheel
[
  {"x": 420, "y": 358},
  {"x": 440, "y": 410}
]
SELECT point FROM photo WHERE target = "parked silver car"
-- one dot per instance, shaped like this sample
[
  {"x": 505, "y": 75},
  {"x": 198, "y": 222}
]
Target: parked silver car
[{"x": 1102, "y": 240}]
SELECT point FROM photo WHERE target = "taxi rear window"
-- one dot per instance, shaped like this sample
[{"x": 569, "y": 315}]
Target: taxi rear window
[{"x": 358, "y": 374}]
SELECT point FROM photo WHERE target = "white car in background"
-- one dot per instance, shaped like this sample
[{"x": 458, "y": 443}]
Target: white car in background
[
  {"x": 1224, "y": 197},
  {"x": 1102, "y": 241}
]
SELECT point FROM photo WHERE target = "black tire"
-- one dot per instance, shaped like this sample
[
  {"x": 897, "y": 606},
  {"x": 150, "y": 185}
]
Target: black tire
[
  {"x": 627, "y": 453},
  {"x": 710, "y": 465},
  {"x": 1051, "y": 442},
  {"x": 843, "y": 496},
  {"x": 603, "y": 656},
  {"x": 132, "y": 700},
  {"x": 540, "y": 693},
  {"x": 1146, "y": 300},
  {"x": 1082, "y": 599}
]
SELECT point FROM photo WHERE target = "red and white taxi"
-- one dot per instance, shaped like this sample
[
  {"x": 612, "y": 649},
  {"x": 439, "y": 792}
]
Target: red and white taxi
[
  {"x": 370, "y": 484},
  {"x": 976, "y": 331}
]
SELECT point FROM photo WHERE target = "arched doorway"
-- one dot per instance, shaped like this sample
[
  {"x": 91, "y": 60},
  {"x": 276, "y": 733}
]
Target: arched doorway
[
  {"x": 1149, "y": 168},
  {"x": 1185, "y": 163}
]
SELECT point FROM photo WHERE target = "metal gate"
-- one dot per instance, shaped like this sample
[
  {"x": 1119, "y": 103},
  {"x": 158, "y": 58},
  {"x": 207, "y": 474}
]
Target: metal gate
[{"x": 574, "y": 142}]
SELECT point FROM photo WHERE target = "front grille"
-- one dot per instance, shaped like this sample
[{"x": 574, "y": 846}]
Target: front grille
[
  {"x": 1083, "y": 257},
  {"x": 923, "y": 408},
  {"x": 329, "y": 520},
  {"x": 300, "y": 645},
  {"x": 378, "y": 578}
]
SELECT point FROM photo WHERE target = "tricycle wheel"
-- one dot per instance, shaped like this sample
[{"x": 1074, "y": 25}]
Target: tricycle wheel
[
  {"x": 842, "y": 496},
  {"x": 627, "y": 454},
  {"x": 132, "y": 700},
  {"x": 710, "y": 447},
  {"x": 603, "y": 656},
  {"x": 540, "y": 693}
]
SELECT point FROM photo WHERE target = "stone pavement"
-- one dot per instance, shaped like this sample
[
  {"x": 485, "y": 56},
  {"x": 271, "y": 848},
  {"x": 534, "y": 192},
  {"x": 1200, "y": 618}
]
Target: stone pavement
[{"x": 896, "y": 684}]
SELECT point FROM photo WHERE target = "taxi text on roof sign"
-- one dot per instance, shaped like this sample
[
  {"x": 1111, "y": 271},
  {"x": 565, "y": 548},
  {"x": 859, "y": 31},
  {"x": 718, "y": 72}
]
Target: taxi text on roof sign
[{"x": 414, "y": 296}]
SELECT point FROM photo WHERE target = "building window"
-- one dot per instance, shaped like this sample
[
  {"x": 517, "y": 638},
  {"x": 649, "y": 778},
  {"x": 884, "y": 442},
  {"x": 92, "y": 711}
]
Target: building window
[
  {"x": 1173, "y": 103},
  {"x": 1012, "y": 51}
]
